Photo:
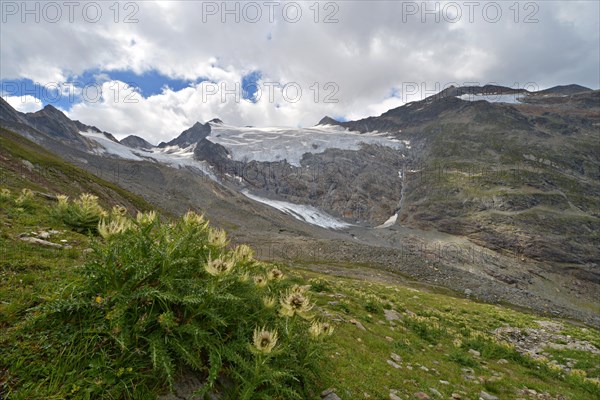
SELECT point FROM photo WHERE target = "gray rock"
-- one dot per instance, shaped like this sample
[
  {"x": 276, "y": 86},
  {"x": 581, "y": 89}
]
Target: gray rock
[
  {"x": 486, "y": 396},
  {"x": 41, "y": 242},
  {"x": 474, "y": 353},
  {"x": 358, "y": 324},
  {"x": 330, "y": 394},
  {"x": 392, "y": 315}
]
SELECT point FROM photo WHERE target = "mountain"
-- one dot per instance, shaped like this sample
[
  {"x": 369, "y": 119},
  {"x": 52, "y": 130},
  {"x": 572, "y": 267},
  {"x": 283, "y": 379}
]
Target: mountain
[
  {"x": 51, "y": 122},
  {"x": 136, "y": 142},
  {"x": 488, "y": 189},
  {"x": 190, "y": 136},
  {"x": 9, "y": 114},
  {"x": 564, "y": 90}
]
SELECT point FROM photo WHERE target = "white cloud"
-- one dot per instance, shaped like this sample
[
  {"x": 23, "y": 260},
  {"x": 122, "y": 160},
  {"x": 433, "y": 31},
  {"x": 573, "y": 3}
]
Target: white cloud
[
  {"x": 374, "y": 47},
  {"x": 24, "y": 104}
]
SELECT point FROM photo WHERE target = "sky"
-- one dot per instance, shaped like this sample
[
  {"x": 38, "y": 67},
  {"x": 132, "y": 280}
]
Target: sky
[{"x": 154, "y": 68}]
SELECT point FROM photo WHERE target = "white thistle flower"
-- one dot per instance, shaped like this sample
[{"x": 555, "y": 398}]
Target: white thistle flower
[{"x": 264, "y": 340}]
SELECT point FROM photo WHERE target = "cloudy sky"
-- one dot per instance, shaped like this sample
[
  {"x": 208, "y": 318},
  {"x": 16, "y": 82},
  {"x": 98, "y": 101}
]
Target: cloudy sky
[{"x": 155, "y": 68}]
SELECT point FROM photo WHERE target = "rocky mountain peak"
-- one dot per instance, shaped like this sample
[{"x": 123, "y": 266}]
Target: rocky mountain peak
[
  {"x": 190, "y": 136},
  {"x": 327, "y": 120},
  {"x": 136, "y": 142}
]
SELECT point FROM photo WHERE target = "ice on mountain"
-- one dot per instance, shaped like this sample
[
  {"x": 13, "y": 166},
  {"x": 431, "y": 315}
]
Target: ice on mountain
[
  {"x": 493, "y": 98},
  {"x": 304, "y": 213},
  {"x": 275, "y": 144}
]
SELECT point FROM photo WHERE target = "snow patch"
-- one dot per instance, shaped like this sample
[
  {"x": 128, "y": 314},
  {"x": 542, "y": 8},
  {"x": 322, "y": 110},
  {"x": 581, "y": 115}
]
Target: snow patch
[
  {"x": 308, "y": 214},
  {"x": 493, "y": 98},
  {"x": 107, "y": 146},
  {"x": 390, "y": 221},
  {"x": 173, "y": 156}
]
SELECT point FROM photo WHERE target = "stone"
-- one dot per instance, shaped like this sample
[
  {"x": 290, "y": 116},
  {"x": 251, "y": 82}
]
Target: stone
[
  {"x": 486, "y": 396},
  {"x": 502, "y": 361},
  {"x": 435, "y": 392},
  {"x": 41, "y": 242},
  {"x": 392, "y": 315},
  {"x": 422, "y": 396},
  {"x": 389, "y": 339},
  {"x": 456, "y": 396},
  {"x": 393, "y": 364},
  {"x": 444, "y": 382},
  {"x": 396, "y": 357},
  {"x": 474, "y": 353},
  {"x": 394, "y": 396},
  {"x": 357, "y": 324},
  {"x": 329, "y": 394}
]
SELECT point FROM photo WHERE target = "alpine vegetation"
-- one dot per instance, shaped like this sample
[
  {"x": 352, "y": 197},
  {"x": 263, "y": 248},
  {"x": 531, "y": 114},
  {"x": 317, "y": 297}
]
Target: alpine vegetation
[{"x": 155, "y": 300}]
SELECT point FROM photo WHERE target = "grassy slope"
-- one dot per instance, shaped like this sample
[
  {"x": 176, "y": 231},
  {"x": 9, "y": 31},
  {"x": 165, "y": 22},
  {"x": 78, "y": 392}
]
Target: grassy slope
[
  {"x": 53, "y": 175},
  {"x": 425, "y": 337},
  {"x": 356, "y": 360}
]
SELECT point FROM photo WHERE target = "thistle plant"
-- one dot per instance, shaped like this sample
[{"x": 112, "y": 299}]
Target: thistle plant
[
  {"x": 25, "y": 198},
  {"x": 192, "y": 219},
  {"x": 5, "y": 194},
  {"x": 269, "y": 301},
  {"x": 164, "y": 298},
  {"x": 260, "y": 281},
  {"x": 146, "y": 218},
  {"x": 319, "y": 329},
  {"x": 295, "y": 302},
  {"x": 217, "y": 238},
  {"x": 114, "y": 227},
  {"x": 243, "y": 253},
  {"x": 275, "y": 274},
  {"x": 264, "y": 340},
  {"x": 82, "y": 215},
  {"x": 219, "y": 266}
]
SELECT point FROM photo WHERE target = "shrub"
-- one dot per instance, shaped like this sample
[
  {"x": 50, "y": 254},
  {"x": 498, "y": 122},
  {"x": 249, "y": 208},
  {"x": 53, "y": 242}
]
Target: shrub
[
  {"x": 157, "y": 299},
  {"x": 462, "y": 358},
  {"x": 82, "y": 215},
  {"x": 319, "y": 285},
  {"x": 430, "y": 331},
  {"x": 5, "y": 195},
  {"x": 25, "y": 199},
  {"x": 373, "y": 307}
]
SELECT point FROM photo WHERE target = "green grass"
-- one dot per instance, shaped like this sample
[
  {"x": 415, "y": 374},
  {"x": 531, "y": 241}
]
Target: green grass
[
  {"x": 427, "y": 336},
  {"x": 54, "y": 175}
]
